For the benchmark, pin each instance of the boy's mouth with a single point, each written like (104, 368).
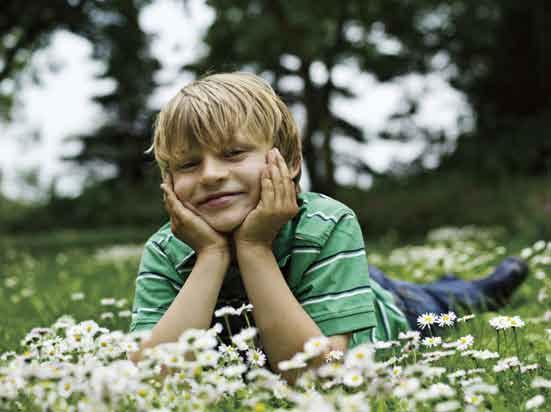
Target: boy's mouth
(218, 199)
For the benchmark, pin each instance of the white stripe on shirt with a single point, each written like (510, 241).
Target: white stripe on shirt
(336, 296)
(152, 276)
(323, 216)
(342, 255)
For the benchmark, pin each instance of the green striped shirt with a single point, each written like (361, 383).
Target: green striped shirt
(321, 254)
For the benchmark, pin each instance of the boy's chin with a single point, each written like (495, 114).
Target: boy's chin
(226, 227)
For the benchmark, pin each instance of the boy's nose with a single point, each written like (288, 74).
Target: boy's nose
(213, 170)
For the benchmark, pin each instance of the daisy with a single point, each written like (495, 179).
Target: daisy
(426, 319)
(124, 314)
(500, 322)
(244, 308)
(529, 368)
(396, 371)
(410, 335)
(432, 341)
(359, 357)
(256, 357)
(447, 406)
(104, 340)
(406, 387)
(208, 357)
(224, 311)
(526, 253)
(540, 382)
(484, 354)
(296, 362)
(121, 302)
(246, 334)
(385, 344)
(482, 387)
(535, 402)
(316, 345)
(65, 387)
(334, 355)
(465, 342)
(446, 319)
(206, 341)
(216, 329)
(353, 378)
(234, 370)
(466, 318)
(89, 327)
(516, 322)
(353, 403)
(261, 373)
(230, 352)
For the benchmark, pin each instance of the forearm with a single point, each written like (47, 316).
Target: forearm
(283, 324)
(193, 306)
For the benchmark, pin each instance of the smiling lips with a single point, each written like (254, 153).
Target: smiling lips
(219, 201)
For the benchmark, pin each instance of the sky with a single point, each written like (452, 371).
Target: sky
(61, 105)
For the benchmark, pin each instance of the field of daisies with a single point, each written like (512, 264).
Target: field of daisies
(66, 310)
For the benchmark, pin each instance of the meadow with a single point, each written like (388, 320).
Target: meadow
(66, 299)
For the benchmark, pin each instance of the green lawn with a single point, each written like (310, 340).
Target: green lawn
(41, 274)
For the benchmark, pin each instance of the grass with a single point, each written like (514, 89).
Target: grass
(40, 275)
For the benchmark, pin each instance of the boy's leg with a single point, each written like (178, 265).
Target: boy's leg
(488, 293)
(449, 292)
(411, 298)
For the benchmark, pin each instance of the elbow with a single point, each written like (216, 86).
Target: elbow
(134, 357)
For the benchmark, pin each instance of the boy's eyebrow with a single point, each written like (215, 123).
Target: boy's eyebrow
(195, 152)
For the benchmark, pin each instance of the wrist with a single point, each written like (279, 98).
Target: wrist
(252, 247)
(215, 254)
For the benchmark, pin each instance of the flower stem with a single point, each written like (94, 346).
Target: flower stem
(228, 325)
(516, 343)
(247, 319)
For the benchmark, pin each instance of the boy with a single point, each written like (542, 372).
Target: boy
(240, 230)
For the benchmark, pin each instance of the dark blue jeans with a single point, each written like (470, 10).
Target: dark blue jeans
(449, 293)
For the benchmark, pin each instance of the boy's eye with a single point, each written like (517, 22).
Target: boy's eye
(233, 152)
(187, 165)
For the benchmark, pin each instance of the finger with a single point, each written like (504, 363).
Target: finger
(267, 195)
(173, 204)
(170, 181)
(277, 181)
(288, 195)
(166, 191)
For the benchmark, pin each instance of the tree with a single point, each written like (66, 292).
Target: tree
(478, 39)
(23, 32)
(499, 55)
(118, 40)
(124, 47)
(289, 41)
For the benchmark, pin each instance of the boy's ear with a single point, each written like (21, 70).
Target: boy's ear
(295, 169)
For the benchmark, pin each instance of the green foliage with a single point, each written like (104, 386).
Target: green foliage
(72, 279)
(109, 203)
(411, 206)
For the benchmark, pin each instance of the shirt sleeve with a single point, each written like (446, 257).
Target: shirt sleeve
(157, 285)
(334, 288)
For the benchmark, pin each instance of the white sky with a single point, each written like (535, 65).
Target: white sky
(61, 106)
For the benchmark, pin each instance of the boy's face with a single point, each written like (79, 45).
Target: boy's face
(233, 171)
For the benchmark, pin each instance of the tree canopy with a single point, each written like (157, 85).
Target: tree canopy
(493, 51)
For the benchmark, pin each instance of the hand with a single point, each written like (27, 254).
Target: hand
(277, 205)
(189, 227)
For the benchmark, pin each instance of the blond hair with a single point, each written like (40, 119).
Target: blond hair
(213, 110)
